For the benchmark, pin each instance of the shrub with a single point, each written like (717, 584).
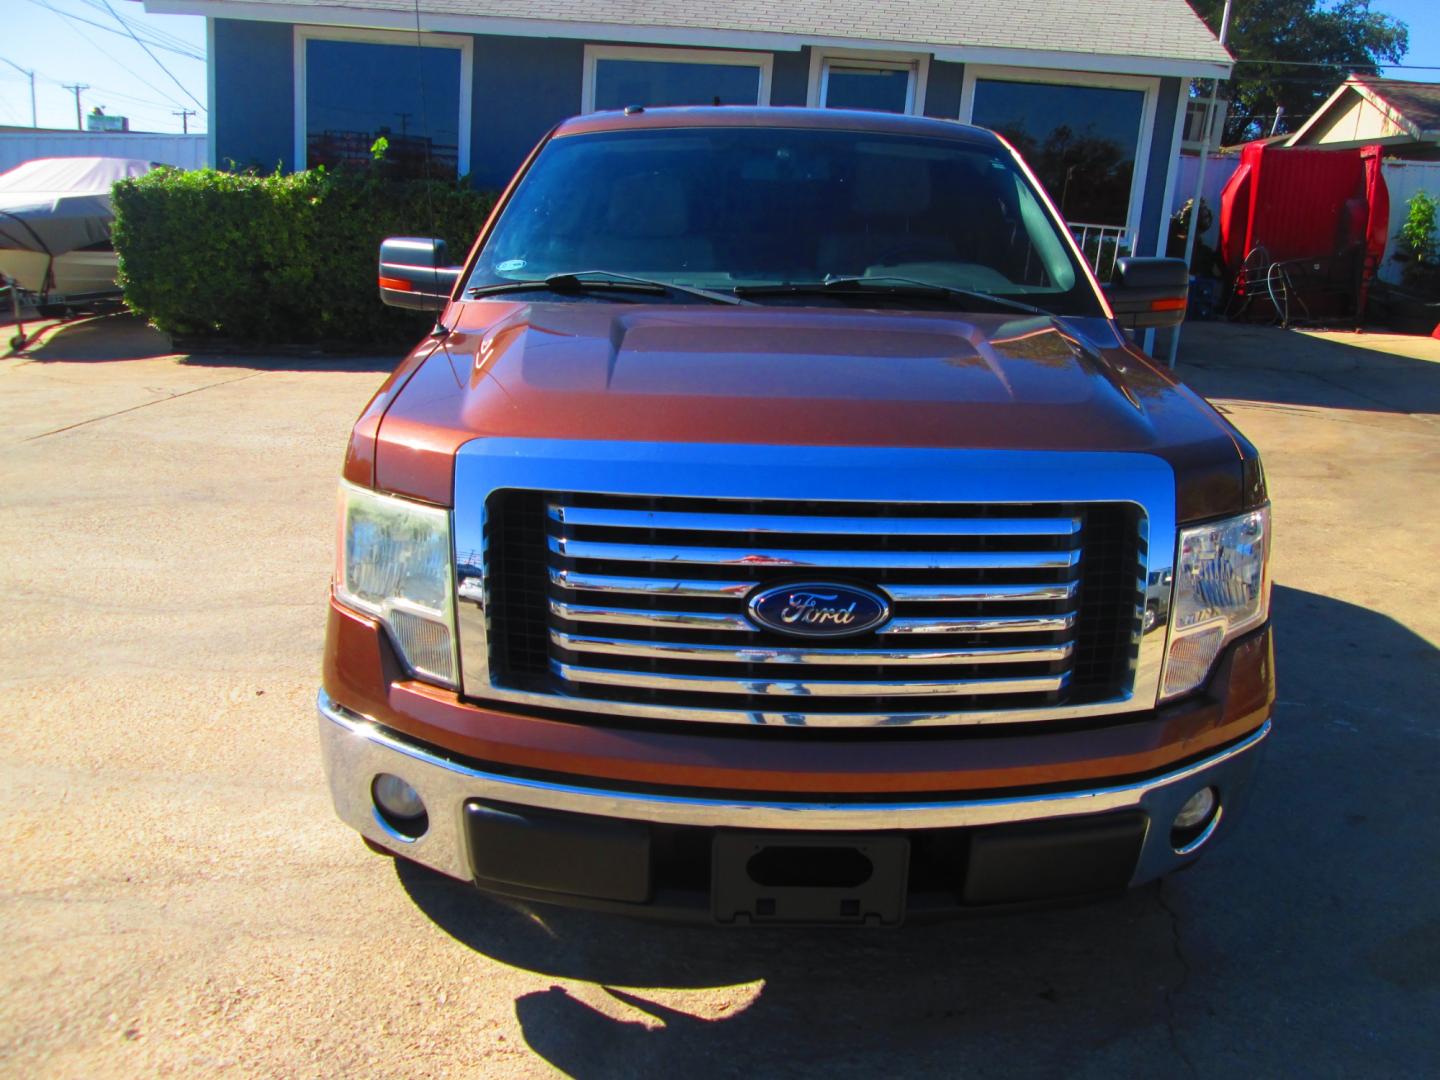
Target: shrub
(1418, 235)
(268, 259)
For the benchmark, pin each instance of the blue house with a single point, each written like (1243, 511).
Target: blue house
(1092, 92)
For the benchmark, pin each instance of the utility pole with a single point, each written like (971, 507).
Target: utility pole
(31, 76)
(1200, 175)
(184, 115)
(76, 91)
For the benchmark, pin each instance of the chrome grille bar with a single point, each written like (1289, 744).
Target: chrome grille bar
(686, 521)
(706, 620)
(756, 654)
(682, 620)
(995, 624)
(570, 579)
(805, 559)
(708, 684)
(983, 594)
(660, 586)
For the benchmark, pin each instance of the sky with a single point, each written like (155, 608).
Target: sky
(87, 44)
(81, 41)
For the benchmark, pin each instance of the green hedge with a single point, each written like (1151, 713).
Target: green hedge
(279, 259)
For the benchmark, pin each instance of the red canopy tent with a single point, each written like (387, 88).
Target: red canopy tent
(1303, 230)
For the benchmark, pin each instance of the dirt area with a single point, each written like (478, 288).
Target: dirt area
(178, 897)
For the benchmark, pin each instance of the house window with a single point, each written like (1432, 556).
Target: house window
(618, 76)
(880, 82)
(1086, 140)
(356, 87)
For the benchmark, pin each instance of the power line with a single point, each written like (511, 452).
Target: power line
(1343, 64)
(111, 30)
(106, 90)
(153, 34)
(31, 75)
(128, 32)
(152, 56)
(110, 56)
(1313, 80)
(9, 113)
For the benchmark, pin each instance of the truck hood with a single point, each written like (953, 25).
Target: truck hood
(793, 376)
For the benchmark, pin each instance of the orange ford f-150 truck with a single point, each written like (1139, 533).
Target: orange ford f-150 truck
(778, 526)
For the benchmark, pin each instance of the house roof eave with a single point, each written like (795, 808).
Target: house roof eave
(1210, 66)
(1376, 100)
(1386, 108)
(1315, 117)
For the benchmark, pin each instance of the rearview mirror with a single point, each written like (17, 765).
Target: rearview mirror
(1147, 294)
(414, 273)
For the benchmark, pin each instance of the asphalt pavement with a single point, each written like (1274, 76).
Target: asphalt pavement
(176, 895)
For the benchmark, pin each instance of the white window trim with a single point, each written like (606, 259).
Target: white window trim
(918, 64)
(427, 40)
(1148, 85)
(1172, 176)
(765, 62)
(210, 124)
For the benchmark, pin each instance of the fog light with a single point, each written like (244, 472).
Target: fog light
(1195, 821)
(399, 805)
(1196, 809)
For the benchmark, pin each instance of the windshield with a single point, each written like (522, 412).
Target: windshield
(735, 208)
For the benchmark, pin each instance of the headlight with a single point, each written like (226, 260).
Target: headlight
(394, 563)
(1222, 589)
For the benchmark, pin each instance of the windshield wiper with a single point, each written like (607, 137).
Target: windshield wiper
(576, 281)
(889, 285)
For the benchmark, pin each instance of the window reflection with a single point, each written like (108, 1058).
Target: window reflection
(1080, 140)
(874, 88)
(357, 92)
(619, 83)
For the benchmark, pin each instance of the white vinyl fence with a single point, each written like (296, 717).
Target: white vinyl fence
(1404, 179)
(183, 151)
(1218, 171)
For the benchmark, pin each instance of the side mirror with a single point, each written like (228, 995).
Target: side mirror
(414, 274)
(1147, 294)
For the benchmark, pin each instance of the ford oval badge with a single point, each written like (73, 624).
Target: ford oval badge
(818, 609)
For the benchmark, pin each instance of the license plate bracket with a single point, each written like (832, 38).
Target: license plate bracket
(854, 879)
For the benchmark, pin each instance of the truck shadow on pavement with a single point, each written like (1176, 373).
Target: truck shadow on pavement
(1314, 923)
(1366, 372)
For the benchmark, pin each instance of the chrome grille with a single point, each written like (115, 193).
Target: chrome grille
(642, 600)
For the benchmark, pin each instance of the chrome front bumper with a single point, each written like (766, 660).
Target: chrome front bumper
(355, 750)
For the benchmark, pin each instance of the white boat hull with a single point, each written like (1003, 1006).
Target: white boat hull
(76, 273)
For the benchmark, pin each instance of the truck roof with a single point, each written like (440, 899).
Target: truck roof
(769, 117)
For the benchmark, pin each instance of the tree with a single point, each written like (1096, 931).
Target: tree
(1345, 35)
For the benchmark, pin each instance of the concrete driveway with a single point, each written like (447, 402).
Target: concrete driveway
(176, 895)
